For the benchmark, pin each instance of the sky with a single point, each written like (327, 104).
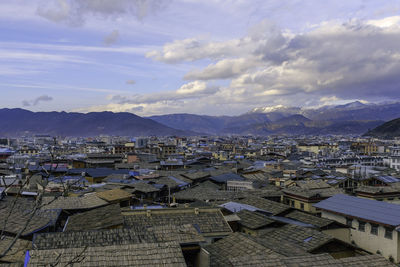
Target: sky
(214, 57)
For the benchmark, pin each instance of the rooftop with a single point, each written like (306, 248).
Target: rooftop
(370, 210)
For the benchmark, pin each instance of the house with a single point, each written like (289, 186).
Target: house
(312, 241)
(16, 255)
(380, 193)
(261, 259)
(149, 254)
(116, 195)
(251, 221)
(223, 251)
(374, 224)
(303, 198)
(106, 217)
(209, 221)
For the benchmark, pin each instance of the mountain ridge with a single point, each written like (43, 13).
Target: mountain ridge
(14, 122)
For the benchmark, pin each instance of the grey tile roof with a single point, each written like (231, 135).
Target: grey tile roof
(98, 218)
(378, 189)
(21, 214)
(270, 206)
(208, 220)
(235, 245)
(92, 238)
(309, 218)
(366, 261)
(371, 210)
(87, 201)
(144, 254)
(306, 238)
(17, 252)
(313, 193)
(253, 220)
(280, 246)
(144, 187)
(182, 234)
(320, 260)
(210, 191)
(114, 195)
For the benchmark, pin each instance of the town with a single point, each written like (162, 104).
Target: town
(200, 201)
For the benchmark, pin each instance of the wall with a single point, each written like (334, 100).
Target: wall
(366, 240)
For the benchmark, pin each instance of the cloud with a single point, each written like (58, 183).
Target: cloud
(112, 38)
(131, 82)
(352, 60)
(36, 101)
(75, 12)
(196, 89)
(331, 61)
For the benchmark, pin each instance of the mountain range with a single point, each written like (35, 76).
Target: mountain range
(17, 122)
(351, 118)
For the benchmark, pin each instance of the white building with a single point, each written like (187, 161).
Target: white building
(375, 225)
(394, 159)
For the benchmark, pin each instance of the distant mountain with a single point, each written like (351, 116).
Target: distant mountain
(15, 122)
(210, 124)
(351, 118)
(351, 111)
(387, 130)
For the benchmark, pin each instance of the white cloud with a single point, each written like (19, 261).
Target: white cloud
(350, 60)
(75, 12)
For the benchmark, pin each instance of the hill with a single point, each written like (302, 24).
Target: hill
(389, 129)
(16, 122)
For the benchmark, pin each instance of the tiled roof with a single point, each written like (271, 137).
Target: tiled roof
(366, 261)
(259, 259)
(253, 220)
(114, 195)
(309, 218)
(17, 252)
(208, 220)
(99, 218)
(87, 201)
(20, 215)
(371, 210)
(269, 206)
(305, 238)
(319, 260)
(235, 245)
(162, 233)
(313, 193)
(144, 254)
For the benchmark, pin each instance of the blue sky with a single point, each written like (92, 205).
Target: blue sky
(206, 57)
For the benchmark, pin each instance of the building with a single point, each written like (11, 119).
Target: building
(374, 224)
(394, 159)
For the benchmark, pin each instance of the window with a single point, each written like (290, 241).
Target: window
(388, 233)
(361, 226)
(374, 229)
(302, 206)
(349, 222)
(292, 203)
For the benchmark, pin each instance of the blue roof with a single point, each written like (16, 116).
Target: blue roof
(370, 210)
(388, 179)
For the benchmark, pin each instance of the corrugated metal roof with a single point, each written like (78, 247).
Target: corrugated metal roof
(371, 210)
